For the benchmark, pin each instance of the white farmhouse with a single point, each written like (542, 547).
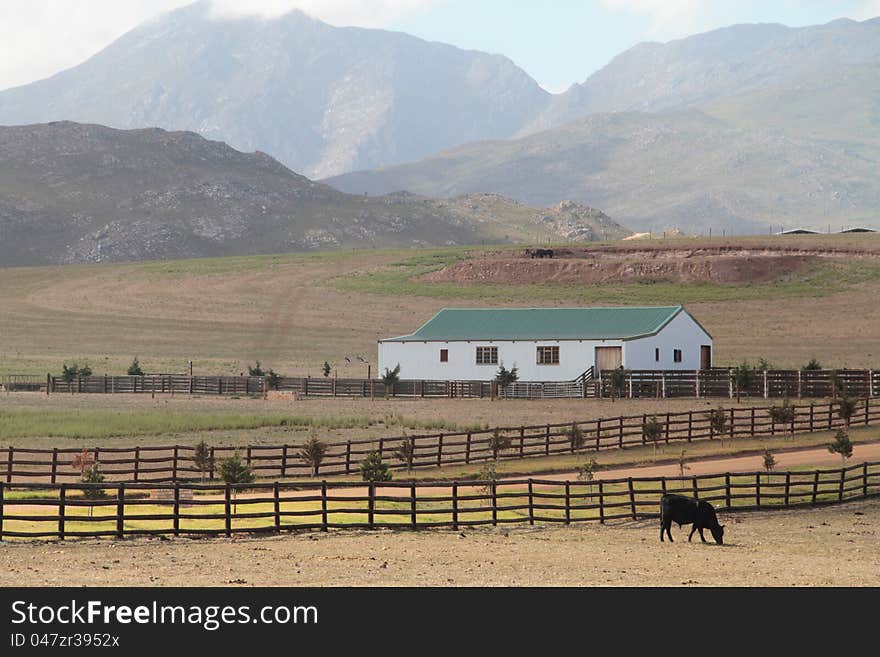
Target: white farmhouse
(547, 344)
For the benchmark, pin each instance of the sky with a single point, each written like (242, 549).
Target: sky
(558, 42)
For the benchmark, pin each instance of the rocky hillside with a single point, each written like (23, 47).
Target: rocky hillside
(322, 100)
(85, 193)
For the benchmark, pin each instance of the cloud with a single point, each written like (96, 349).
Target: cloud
(363, 13)
(669, 18)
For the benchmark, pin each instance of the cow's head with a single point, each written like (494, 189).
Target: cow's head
(718, 534)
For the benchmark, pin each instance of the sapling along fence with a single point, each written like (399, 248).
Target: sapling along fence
(175, 463)
(119, 510)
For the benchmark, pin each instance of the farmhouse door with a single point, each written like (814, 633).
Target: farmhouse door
(706, 357)
(609, 358)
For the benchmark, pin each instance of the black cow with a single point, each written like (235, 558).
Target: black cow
(686, 510)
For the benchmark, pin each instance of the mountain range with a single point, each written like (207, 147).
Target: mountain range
(736, 129)
(72, 193)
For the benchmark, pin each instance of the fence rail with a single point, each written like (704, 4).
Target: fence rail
(715, 382)
(120, 510)
(175, 463)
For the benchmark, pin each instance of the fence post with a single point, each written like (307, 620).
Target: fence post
(324, 516)
(598, 432)
(494, 504)
(10, 456)
(727, 489)
(870, 383)
(531, 504)
(766, 388)
(732, 424)
(455, 505)
(413, 520)
(228, 509)
(787, 487)
(62, 502)
(176, 520)
(371, 505)
(632, 497)
(695, 485)
(54, 465)
(276, 500)
(467, 449)
(630, 377)
(812, 408)
(842, 480)
(522, 441)
(547, 442)
(697, 383)
(830, 418)
(690, 426)
(284, 461)
(1, 511)
(663, 384)
(247, 455)
(758, 489)
(753, 422)
(800, 384)
(620, 433)
(137, 462)
(864, 479)
(644, 422)
(174, 460)
(48, 384)
(867, 411)
(381, 448)
(815, 486)
(440, 450)
(666, 432)
(211, 464)
(348, 457)
(567, 502)
(601, 503)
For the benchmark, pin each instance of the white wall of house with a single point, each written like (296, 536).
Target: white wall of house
(421, 360)
(681, 333)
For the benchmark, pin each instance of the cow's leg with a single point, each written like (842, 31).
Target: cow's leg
(702, 538)
(662, 529)
(691, 535)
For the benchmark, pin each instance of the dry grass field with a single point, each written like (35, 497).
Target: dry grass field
(827, 546)
(293, 312)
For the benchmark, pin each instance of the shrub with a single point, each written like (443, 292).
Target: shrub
(135, 368)
(498, 443)
(769, 460)
(783, 414)
(682, 463)
(325, 369)
(842, 445)
(373, 469)
(742, 376)
(763, 365)
(312, 453)
(575, 437)
(406, 452)
(92, 475)
(202, 459)
(586, 472)
(273, 379)
(652, 430)
(718, 422)
(618, 382)
(70, 372)
(489, 474)
(846, 408)
(256, 370)
(390, 378)
(233, 470)
(812, 365)
(505, 377)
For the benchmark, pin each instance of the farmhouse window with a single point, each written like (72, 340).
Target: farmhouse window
(444, 355)
(548, 355)
(487, 355)
(657, 354)
(676, 355)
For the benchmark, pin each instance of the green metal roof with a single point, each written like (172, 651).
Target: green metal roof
(455, 324)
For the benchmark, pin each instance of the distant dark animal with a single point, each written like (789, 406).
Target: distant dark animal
(687, 510)
(539, 253)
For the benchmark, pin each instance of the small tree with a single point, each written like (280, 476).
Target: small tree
(325, 368)
(742, 376)
(718, 422)
(652, 430)
(256, 370)
(373, 469)
(70, 372)
(406, 452)
(846, 408)
(587, 472)
(682, 463)
(837, 386)
(92, 475)
(505, 377)
(769, 460)
(764, 365)
(273, 379)
(842, 445)
(783, 414)
(312, 453)
(812, 365)
(390, 378)
(202, 459)
(575, 437)
(233, 470)
(618, 382)
(488, 474)
(135, 368)
(498, 443)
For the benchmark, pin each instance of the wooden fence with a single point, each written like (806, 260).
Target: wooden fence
(766, 384)
(175, 463)
(716, 382)
(63, 511)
